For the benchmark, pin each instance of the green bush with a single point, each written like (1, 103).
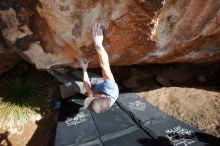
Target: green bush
(22, 96)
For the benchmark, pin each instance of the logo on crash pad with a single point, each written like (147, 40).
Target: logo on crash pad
(76, 119)
(137, 105)
(180, 136)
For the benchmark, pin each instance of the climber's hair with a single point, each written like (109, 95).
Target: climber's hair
(100, 104)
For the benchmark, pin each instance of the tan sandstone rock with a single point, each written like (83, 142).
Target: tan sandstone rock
(56, 33)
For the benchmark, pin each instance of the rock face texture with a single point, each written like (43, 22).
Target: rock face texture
(9, 58)
(188, 30)
(56, 33)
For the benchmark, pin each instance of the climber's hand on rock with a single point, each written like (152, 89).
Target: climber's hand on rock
(97, 34)
(84, 63)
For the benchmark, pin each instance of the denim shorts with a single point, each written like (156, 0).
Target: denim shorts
(107, 87)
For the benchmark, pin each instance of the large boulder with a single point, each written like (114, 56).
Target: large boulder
(9, 58)
(56, 33)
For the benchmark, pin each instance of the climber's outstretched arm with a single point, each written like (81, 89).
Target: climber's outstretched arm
(86, 82)
(103, 56)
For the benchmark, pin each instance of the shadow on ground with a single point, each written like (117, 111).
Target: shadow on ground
(161, 141)
(153, 76)
(46, 127)
(207, 138)
(4, 139)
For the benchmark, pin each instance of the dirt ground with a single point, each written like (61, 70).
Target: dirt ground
(198, 107)
(37, 133)
(189, 92)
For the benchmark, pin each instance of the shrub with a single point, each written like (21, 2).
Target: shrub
(22, 96)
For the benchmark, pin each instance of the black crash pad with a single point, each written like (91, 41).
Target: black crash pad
(112, 121)
(75, 126)
(163, 128)
(140, 110)
(136, 138)
(178, 132)
(116, 128)
(113, 127)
